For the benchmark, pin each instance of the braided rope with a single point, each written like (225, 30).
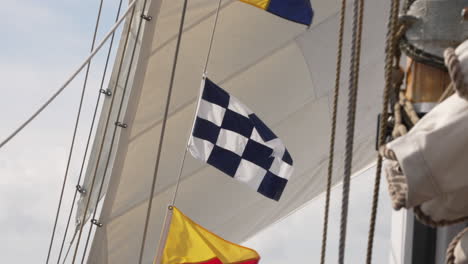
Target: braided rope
(336, 94)
(397, 185)
(427, 220)
(399, 129)
(455, 72)
(449, 91)
(358, 11)
(450, 256)
(389, 58)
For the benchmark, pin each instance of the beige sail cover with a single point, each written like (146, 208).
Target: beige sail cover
(432, 157)
(283, 71)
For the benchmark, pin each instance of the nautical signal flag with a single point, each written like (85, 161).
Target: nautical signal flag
(299, 11)
(189, 243)
(230, 137)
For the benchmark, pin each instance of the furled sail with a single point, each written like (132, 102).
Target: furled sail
(282, 69)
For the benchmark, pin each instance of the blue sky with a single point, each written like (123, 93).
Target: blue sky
(42, 43)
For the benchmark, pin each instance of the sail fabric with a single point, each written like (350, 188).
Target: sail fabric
(299, 11)
(230, 137)
(188, 242)
(431, 158)
(282, 70)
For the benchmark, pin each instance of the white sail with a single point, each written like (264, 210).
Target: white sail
(282, 70)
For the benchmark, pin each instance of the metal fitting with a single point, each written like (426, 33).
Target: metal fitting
(80, 189)
(106, 92)
(147, 18)
(122, 125)
(96, 222)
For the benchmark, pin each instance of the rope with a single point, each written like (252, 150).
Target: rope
(450, 90)
(166, 225)
(333, 130)
(389, 57)
(115, 128)
(75, 129)
(71, 78)
(105, 129)
(212, 36)
(427, 220)
(352, 100)
(450, 255)
(89, 134)
(69, 248)
(455, 72)
(181, 167)
(163, 129)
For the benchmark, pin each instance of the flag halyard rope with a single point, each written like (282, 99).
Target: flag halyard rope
(163, 130)
(358, 14)
(75, 130)
(333, 130)
(168, 215)
(205, 68)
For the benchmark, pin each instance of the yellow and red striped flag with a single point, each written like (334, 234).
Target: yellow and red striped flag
(189, 243)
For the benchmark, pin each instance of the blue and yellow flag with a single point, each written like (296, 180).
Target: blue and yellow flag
(299, 11)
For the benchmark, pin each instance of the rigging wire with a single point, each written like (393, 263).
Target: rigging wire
(358, 14)
(119, 112)
(333, 130)
(163, 129)
(181, 167)
(105, 130)
(89, 135)
(70, 79)
(389, 65)
(75, 130)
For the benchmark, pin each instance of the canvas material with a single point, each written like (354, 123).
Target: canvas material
(281, 70)
(230, 137)
(432, 157)
(462, 52)
(433, 154)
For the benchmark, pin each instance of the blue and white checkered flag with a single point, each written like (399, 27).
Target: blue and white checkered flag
(228, 136)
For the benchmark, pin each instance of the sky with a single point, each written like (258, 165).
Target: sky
(42, 43)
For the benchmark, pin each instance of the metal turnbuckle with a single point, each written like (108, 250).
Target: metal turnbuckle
(96, 222)
(80, 189)
(106, 92)
(122, 125)
(147, 18)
